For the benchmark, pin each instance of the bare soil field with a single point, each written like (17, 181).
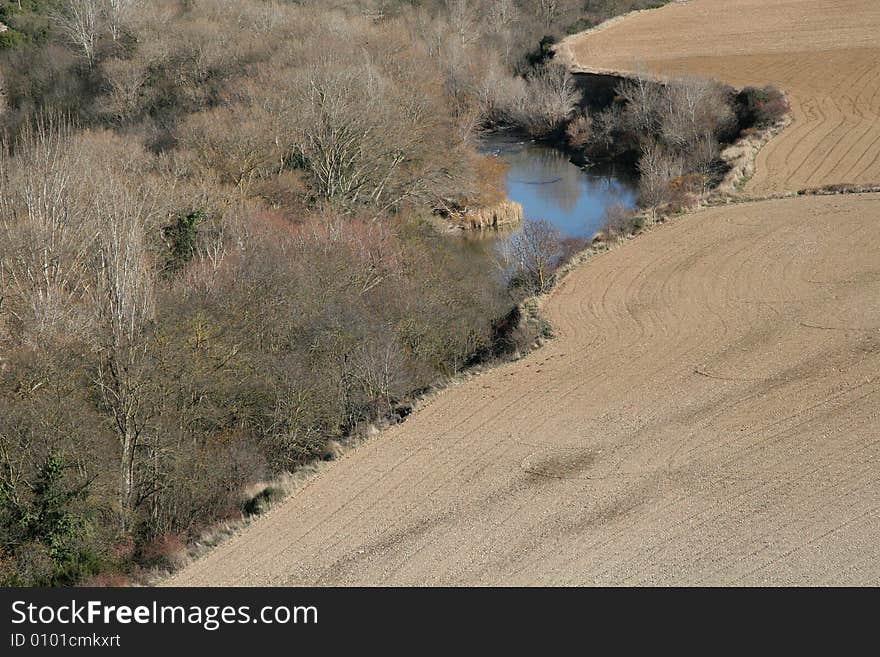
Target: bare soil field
(824, 53)
(708, 415)
(710, 411)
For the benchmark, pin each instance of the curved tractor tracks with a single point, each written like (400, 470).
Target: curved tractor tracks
(710, 412)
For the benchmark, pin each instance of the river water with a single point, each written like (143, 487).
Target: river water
(549, 186)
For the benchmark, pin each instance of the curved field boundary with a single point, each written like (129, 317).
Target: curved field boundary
(824, 53)
(709, 413)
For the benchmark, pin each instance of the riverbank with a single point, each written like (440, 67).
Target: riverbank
(531, 317)
(580, 447)
(530, 313)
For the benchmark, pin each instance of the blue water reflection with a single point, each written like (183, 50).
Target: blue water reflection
(549, 186)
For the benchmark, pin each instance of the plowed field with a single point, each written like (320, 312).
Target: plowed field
(710, 412)
(824, 53)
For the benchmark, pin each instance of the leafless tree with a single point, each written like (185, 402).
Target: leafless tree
(618, 220)
(117, 14)
(554, 95)
(549, 9)
(502, 13)
(644, 102)
(501, 18)
(702, 158)
(657, 169)
(238, 144)
(604, 125)
(695, 109)
(538, 104)
(533, 252)
(122, 295)
(126, 79)
(72, 238)
(81, 22)
(362, 139)
(3, 101)
(464, 19)
(45, 236)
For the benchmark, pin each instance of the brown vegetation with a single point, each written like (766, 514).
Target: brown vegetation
(677, 431)
(674, 132)
(214, 262)
(214, 253)
(708, 415)
(166, 361)
(533, 254)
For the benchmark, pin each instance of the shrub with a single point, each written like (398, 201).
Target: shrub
(579, 131)
(48, 532)
(109, 579)
(621, 221)
(534, 253)
(165, 551)
(11, 38)
(539, 104)
(570, 247)
(260, 503)
(580, 25)
(683, 191)
(671, 129)
(542, 53)
(761, 107)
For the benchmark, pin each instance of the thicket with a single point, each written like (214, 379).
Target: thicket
(673, 132)
(160, 359)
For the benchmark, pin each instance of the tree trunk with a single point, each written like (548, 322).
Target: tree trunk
(126, 481)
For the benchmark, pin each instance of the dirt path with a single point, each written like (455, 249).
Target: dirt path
(710, 413)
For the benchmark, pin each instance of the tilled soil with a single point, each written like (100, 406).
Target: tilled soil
(824, 53)
(710, 412)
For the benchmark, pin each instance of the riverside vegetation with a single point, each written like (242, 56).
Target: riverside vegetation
(216, 247)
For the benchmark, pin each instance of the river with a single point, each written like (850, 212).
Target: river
(549, 186)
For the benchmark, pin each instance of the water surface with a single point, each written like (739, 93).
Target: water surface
(549, 186)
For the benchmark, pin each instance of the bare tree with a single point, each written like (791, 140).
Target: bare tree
(554, 95)
(123, 302)
(533, 252)
(644, 102)
(117, 13)
(45, 237)
(81, 22)
(362, 139)
(695, 109)
(126, 80)
(539, 104)
(703, 158)
(3, 100)
(464, 19)
(501, 17)
(72, 240)
(237, 143)
(549, 10)
(657, 169)
(502, 13)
